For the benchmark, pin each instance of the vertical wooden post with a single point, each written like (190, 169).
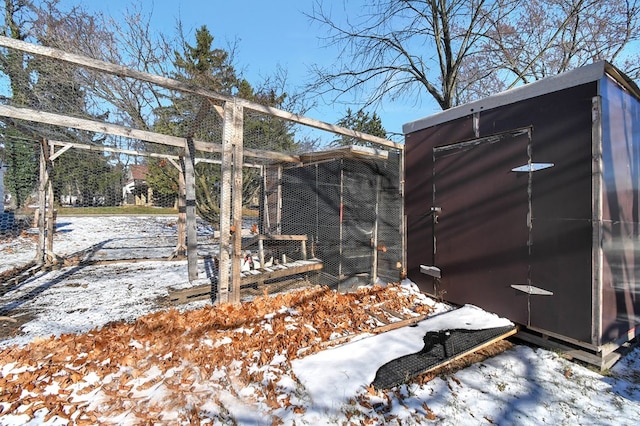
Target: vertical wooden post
(190, 209)
(50, 222)
(374, 266)
(231, 188)
(181, 248)
(279, 200)
(236, 252)
(42, 187)
(261, 251)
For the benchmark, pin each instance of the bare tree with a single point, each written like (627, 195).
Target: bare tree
(398, 49)
(458, 50)
(540, 38)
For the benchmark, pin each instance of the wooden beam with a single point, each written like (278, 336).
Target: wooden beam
(89, 125)
(61, 151)
(172, 84)
(114, 129)
(173, 159)
(42, 195)
(181, 246)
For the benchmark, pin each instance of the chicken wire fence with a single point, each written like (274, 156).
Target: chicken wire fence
(227, 188)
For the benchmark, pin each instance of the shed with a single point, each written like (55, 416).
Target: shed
(528, 203)
(348, 201)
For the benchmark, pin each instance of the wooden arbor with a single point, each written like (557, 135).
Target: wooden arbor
(233, 156)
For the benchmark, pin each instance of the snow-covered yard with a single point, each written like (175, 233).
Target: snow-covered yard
(96, 344)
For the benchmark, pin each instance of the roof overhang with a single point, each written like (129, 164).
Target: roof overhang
(576, 77)
(352, 151)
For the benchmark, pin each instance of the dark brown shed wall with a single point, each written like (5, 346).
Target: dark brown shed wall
(560, 259)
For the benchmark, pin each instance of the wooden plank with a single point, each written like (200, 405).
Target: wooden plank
(387, 327)
(378, 318)
(399, 324)
(89, 125)
(395, 314)
(472, 350)
(272, 237)
(226, 193)
(189, 294)
(99, 148)
(598, 359)
(41, 248)
(280, 273)
(302, 237)
(352, 151)
(190, 209)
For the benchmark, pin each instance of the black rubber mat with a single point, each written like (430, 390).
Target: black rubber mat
(439, 348)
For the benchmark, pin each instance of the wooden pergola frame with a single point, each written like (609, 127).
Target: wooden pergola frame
(233, 156)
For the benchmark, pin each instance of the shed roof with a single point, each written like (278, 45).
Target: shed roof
(350, 151)
(138, 171)
(575, 77)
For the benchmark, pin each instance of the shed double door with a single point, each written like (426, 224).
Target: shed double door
(482, 222)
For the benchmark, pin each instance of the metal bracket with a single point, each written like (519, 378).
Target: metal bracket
(529, 289)
(432, 271)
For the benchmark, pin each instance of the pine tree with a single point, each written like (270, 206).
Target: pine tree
(361, 122)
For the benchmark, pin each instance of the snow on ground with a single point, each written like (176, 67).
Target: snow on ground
(523, 385)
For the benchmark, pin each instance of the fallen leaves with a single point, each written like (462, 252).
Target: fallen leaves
(182, 359)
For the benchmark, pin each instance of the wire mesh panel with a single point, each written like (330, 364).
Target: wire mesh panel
(176, 192)
(350, 209)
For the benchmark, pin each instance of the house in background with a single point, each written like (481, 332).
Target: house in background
(527, 203)
(136, 191)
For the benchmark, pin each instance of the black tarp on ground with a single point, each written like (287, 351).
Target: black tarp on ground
(440, 347)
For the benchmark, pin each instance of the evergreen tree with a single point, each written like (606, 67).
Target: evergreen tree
(361, 122)
(210, 68)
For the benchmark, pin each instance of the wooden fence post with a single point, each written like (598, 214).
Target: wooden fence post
(42, 188)
(238, 155)
(190, 208)
(181, 247)
(230, 249)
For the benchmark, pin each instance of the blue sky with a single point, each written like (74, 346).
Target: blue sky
(270, 34)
